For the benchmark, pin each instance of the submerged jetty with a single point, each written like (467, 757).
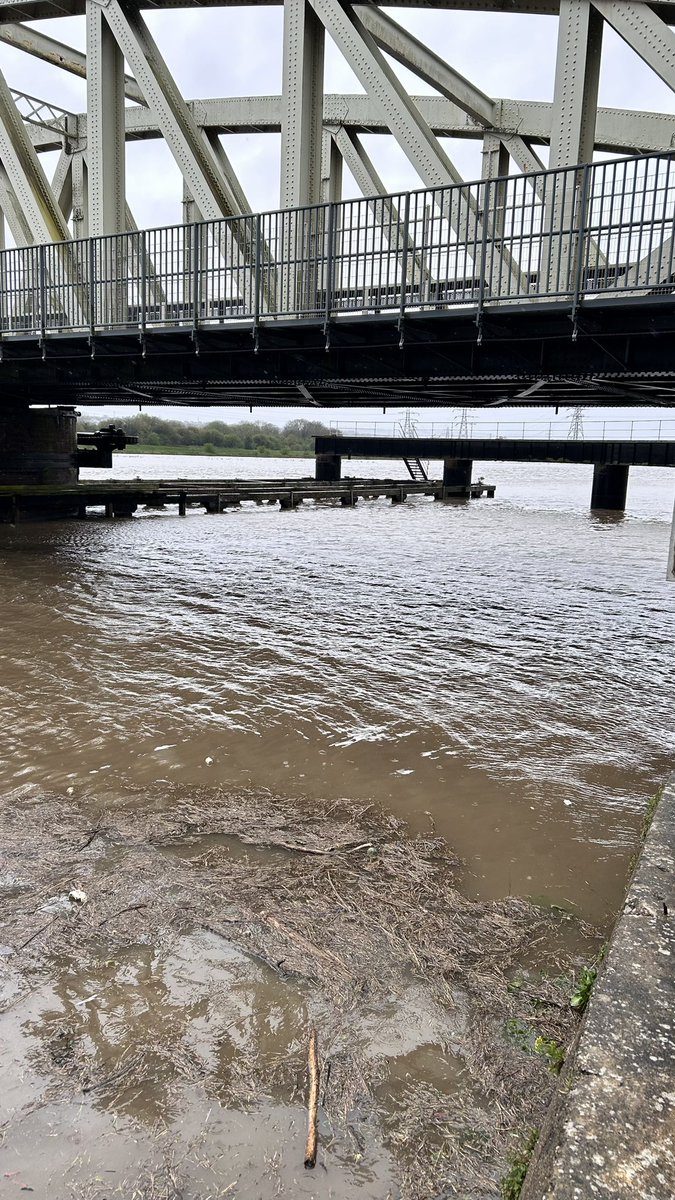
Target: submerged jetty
(120, 499)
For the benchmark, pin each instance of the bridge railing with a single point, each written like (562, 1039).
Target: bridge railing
(571, 234)
(509, 430)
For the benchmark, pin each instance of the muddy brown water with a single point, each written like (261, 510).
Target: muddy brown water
(500, 672)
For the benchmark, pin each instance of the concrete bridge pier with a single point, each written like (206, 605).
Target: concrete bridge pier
(37, 445)
(610, 485)
(328, 468)
(457, 476)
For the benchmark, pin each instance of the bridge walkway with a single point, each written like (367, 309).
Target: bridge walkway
(534, 288)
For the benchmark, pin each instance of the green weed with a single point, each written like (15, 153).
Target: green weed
(551, 1050)
(518, 1034)
(511, 1185)
(584, 986)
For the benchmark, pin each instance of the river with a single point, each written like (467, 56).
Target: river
(500, 671)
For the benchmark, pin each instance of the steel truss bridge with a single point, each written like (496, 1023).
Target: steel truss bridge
(542, 286)
(532, 288)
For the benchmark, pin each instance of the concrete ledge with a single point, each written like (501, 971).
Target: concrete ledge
(610, 1131)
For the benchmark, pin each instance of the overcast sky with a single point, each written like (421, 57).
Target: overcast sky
(238, 52)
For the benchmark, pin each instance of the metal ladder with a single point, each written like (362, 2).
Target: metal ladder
(417, 469)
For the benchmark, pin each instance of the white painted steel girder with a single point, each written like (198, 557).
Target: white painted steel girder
(105, 126)
(359, 162)
(23, 37)
(411, 53)
(35, 203)
(236, 197)
(80, 195)
(311, 160)
(331, 169)
(387, 93)
(178, 127)
(32, 10)
(577, 74)
(13, 213)
(522, 154)
(301, 105)
(62, 184)
(495, 157)
(617, 131)
(648, 35)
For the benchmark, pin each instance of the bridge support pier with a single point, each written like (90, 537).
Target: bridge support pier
(457, 476)
(328, 468)
(37, 445)
(610, 485)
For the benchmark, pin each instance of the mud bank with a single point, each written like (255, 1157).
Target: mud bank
(154, 1030)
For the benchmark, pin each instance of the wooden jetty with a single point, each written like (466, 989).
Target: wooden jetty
(122, 499)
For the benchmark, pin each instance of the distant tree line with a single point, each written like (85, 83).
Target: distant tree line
(217, 437)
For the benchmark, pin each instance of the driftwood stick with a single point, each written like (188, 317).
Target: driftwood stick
(343, 848)
(312, 1102)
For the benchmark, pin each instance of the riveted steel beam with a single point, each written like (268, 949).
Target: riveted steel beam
(577, 74)
(62, 184)
(418, 58)
(645, 32)
(18, 225)
(301, 105)
(387, 93)
(523, 155)
(235, 193)
(331, 169)
(26, 177)
(495, 157)
(495, 163)
(80, 195)
(105, 125)
(177, 125)
(32, 10)
(618, 131)
(23, 37)
(358, 161)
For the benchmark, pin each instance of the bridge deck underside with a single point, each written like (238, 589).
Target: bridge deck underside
(613, 352)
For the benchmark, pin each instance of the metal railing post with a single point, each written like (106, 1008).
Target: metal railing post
(257, 275)
(404, 258)
(42, 278)
(195, 277)
(143, 292)
(92, 287)
(581, 235)
(483, 256)
(330, 255)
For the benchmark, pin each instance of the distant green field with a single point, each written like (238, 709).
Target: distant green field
(244, 439)
(215, 451)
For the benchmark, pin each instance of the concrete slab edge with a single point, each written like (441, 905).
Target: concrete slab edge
(610, 1130)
